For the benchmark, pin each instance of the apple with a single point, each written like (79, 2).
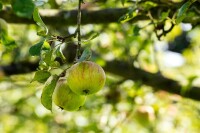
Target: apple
(65, 98)
(85, 78)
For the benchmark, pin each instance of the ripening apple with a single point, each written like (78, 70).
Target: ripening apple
(85, 78)
(65, 98)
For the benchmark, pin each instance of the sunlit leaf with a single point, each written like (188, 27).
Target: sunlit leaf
(46, 97)
(41, 76)
(39, 2)
(43, 65)
(46, 46)
(36, 49)
(40, 23)
(8, 42)
(148, 5)
(23, 8)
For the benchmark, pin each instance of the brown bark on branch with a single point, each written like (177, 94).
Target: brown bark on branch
(125, 70)
(155, 80)
(104, 16)
(59, 17)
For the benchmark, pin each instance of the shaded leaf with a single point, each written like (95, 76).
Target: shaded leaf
(60, 54)
(36, 49)
(128, 16)
(23, 8)
(40, 23)
(182, 11)
(41, 76)
(93, 36)
(136, 30)
(164, 15)
(6, 40)
(48, 57)
(86, 55)
(1, 6)
(3, 27)
(123, 1)
(46, 97)
(55, 64)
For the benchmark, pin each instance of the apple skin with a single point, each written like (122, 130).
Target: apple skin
(85, 78)
(65, 98)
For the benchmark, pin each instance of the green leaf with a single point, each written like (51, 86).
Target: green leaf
(93, 36)
(23, 8)
(187, 87)
(86, 55)
(40, 23)
(41, 76)
(60, 54)
(46, 97)
(148, 5)
(36, 49)
(182, 11)
(1, 6)
(128, 16)
(8, 42)
(39, 2)
(136, 30)
(43, 65)
(46, 46)
(123, 1)
(48, 57)
(55, 64)
(3, 27)
(164, 15)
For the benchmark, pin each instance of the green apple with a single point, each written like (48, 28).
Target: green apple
(65, 98)
(85, 78)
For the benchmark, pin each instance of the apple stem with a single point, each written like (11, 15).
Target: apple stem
(85, 91)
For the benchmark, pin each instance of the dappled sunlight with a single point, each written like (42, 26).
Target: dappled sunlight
(149, 51)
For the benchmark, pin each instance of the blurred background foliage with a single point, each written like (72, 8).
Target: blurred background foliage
(123, 105)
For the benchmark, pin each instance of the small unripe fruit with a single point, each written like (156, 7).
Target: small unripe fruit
(85, 78)
(65, 98)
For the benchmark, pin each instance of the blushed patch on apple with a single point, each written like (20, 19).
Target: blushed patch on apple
(85, 78)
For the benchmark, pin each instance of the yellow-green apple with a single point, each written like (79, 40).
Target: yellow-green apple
(65, 98)
(85, 78)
